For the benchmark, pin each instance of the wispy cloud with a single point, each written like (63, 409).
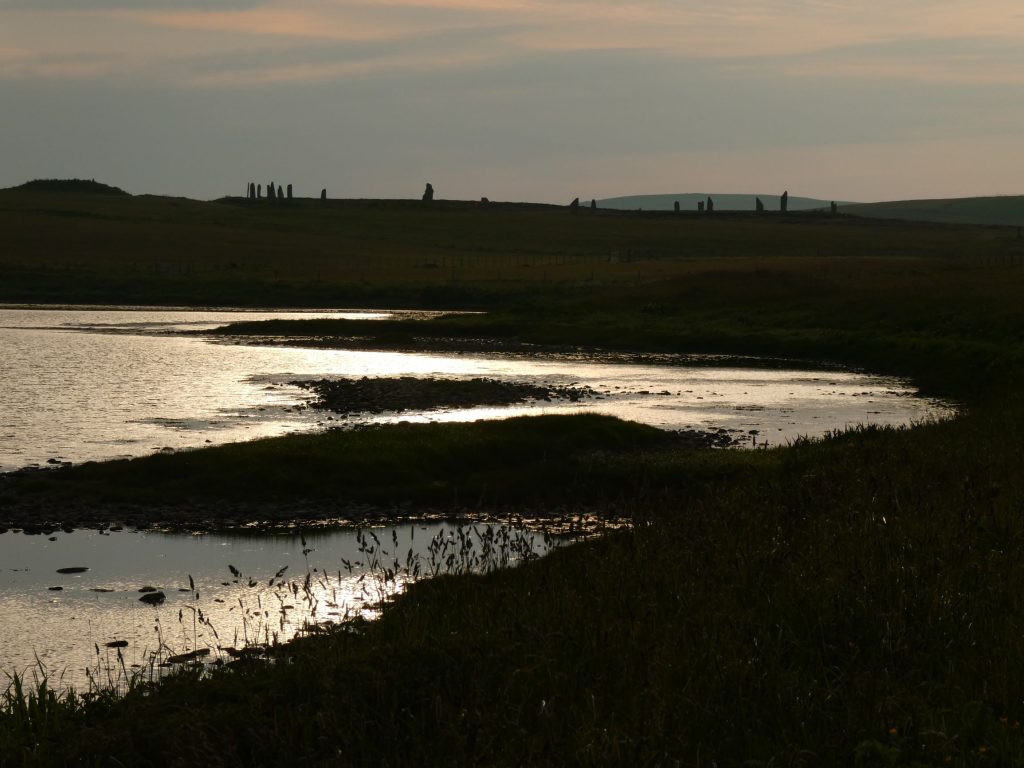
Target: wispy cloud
(777, 31)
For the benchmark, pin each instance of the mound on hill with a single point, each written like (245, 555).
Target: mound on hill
(1005, 210)
(73, 186)
(723, 202)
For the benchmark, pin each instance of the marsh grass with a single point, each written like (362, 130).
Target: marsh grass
(837, 601)
(852, 601)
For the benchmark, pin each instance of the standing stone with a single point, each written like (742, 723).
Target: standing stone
(574, 205)
(758, 205)
(711, 205)
(593, 205)
(784, 201)
(484, 201)
(700, 206)
(280, 192)
(675, 206)
(835, 208)
(259, 191)
(428, 193)
(323, 194)
(289, 191)
(271, 193)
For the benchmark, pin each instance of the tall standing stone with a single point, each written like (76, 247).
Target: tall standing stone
(271, 192)
(323, 193)
(758, 205)
(593, 205)
(675, 206)
(835, 208)
(280, 192)
(711, 205)
(700, 206)
(574, 206)
(428, 193)
(784, 201)
(259, 191)
(289, 191)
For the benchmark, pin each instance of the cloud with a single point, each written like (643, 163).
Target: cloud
(800, 38)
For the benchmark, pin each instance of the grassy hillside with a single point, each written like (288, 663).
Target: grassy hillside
(1008, 210)
(155, 250)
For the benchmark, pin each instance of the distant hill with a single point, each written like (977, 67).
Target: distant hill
(1007, 210)
(688, 202)
(72, 186)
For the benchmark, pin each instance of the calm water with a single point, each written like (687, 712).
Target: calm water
(89, 384)
(63, 628)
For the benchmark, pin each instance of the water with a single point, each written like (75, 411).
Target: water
(62, 629)
(92, 384)
(80, 384)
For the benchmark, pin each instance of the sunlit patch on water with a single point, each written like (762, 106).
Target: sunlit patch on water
(81, 396)
(222, 594)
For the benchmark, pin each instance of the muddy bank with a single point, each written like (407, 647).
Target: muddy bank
(37, 519)
(404, 393)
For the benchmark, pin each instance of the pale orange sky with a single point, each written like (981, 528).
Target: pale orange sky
(518, 99)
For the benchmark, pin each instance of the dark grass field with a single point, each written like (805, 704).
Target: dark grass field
(856, 601)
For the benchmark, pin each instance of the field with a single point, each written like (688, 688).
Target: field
(851, 601)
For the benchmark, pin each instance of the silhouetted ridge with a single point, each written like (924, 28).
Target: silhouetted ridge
(75, 186)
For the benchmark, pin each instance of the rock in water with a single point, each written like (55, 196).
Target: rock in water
(428, 193)
(153, 598)
(73, 569)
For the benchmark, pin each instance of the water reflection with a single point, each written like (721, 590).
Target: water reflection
(222, 592)
(81, 396)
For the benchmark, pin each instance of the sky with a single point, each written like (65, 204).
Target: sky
(540, 100)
